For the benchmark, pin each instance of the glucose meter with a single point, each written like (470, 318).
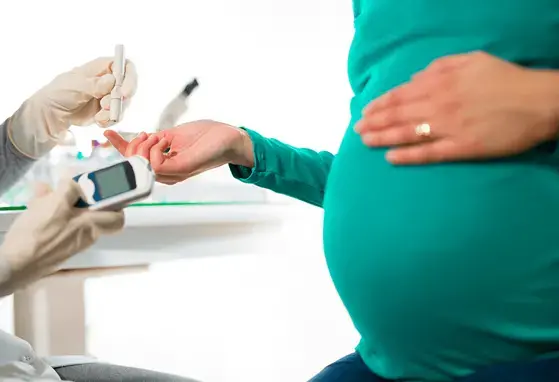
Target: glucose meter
(115, 186)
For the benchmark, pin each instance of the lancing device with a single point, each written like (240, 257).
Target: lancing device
(113, 187)
(116, 93)
(176, 107)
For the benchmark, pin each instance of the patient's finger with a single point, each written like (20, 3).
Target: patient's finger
(117, 141)
(145, 147)
(132, 148)
(157, 154)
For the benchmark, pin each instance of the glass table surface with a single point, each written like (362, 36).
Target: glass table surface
(163, 204)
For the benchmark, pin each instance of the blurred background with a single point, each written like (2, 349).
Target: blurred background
(278, 67)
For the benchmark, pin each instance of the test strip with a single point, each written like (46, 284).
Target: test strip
(116, 94)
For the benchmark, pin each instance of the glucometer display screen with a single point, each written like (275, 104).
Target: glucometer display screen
(112, 181)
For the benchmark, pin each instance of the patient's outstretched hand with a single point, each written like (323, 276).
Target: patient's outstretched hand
(189, 149)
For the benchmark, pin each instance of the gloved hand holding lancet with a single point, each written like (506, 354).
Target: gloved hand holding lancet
(79, 97)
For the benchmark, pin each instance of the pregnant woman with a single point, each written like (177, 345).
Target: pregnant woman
(450, 271)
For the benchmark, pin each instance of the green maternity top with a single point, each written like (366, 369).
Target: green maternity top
(445, 268)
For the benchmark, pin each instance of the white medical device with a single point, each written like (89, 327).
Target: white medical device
(115, 186)
(116, 94)
(177, 107)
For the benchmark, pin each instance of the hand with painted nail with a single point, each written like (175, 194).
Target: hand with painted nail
(141, 145)
(464, 107)
(188, 150)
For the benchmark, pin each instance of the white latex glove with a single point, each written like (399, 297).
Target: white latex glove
(78, 97)
(50, 231)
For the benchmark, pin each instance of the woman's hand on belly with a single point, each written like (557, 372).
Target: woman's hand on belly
(463, 107)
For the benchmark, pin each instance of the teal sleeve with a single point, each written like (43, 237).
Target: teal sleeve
(356, 8)
(296, 172)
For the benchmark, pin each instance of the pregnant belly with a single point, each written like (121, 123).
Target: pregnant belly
(458, 263)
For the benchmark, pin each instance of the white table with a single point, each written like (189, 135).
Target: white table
(51, 314)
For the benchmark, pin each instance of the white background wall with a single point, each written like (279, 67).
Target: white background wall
(275, 66)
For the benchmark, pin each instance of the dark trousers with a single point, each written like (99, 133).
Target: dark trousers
(352, 369)
(102, 372)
